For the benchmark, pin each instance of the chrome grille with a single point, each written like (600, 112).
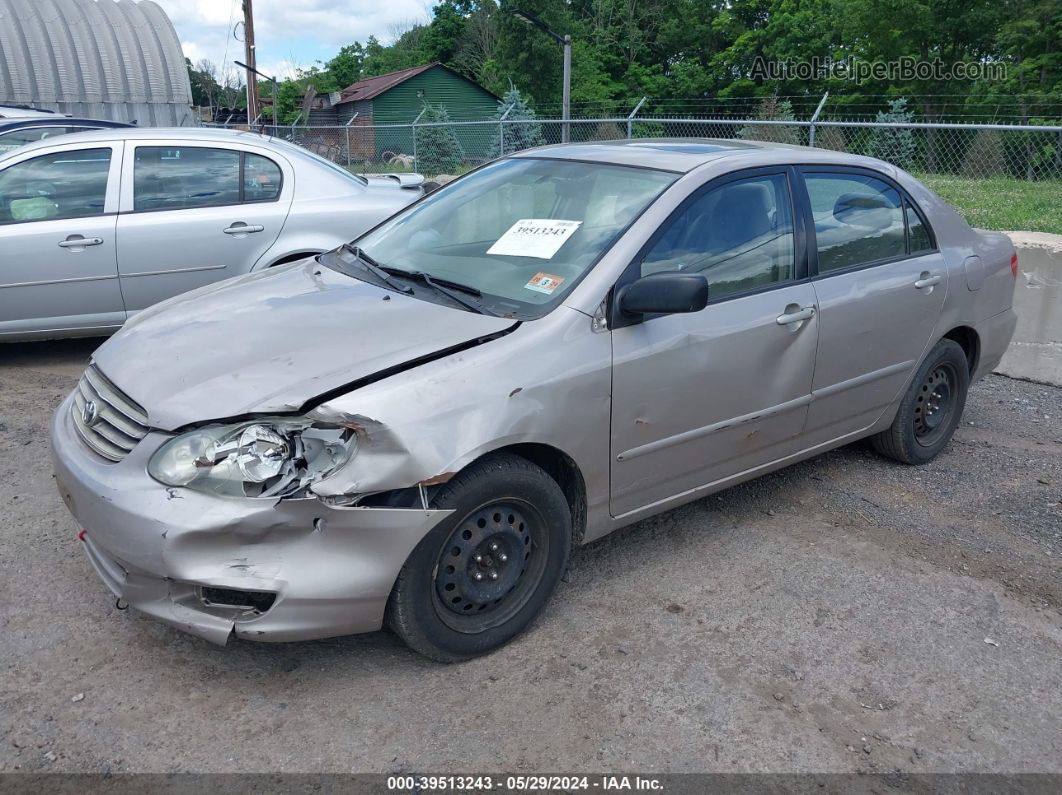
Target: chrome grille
(113, 424)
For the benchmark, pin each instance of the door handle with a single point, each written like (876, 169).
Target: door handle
(925, 280)
(240, 228)
(77, 241)
(795, 315)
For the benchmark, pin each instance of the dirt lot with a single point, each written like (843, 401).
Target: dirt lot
(846, 614)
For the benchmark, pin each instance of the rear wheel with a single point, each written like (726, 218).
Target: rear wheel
(482, 575)
(931, 408)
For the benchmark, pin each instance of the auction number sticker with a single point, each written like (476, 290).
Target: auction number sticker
(534, 237)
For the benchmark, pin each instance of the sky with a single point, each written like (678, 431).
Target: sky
(288, 33)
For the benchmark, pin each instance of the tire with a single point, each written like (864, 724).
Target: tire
(450, 606)
(931, 408)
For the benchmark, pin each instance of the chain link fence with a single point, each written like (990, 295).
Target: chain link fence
(976, 151)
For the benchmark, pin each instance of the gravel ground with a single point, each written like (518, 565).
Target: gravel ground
(847, 614)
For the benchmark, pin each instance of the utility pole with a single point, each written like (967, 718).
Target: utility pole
(566, 100)
(566, 87)
(248, 52)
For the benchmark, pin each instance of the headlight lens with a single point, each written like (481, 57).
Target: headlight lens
(266, 458)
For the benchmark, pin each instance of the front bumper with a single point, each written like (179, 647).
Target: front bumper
(156, 548)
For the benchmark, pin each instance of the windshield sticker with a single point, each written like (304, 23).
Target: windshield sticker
(534, 237)
(544, 283)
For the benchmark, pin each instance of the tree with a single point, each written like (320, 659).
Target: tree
(521, 130)
(346, 66)
(772, 109)
(894, 145)
(686, 53)
(441, 39)
(404, 53)
(529, 58)
(438, 150)
(475, 57)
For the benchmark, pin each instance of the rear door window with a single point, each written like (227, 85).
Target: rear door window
(184, 177)
(858, 220)
(179, 178)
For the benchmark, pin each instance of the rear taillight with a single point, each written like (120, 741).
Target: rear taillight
(1014, 265)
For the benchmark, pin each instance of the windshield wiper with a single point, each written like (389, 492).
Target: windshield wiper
(373, 267)
(450, 289)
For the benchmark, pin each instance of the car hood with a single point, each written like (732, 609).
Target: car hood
(271, 341)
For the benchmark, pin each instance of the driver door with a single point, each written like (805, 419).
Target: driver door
(702, 397)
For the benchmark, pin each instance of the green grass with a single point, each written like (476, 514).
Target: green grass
(1002, 203)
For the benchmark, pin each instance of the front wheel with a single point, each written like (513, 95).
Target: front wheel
(931, 408)
(482, 575)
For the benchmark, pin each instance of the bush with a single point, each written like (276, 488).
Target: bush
(438, 150)
(772, 109)
(985, 156)
(831, 138)
(648, 129)
(897, 146)
(525, 134)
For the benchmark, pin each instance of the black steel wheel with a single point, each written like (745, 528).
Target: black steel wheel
(484, 573)
(490, 565)
(935, 404)
(930, 409)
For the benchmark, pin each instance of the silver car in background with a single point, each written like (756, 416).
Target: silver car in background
(97, 226)
(415, 429)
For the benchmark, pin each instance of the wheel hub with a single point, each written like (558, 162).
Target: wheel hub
(934, 404)
(484, 560)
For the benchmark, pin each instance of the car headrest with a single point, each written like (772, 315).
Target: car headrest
(872, 210)
(744, 211)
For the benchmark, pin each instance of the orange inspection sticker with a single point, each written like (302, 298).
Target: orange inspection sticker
(544, 283)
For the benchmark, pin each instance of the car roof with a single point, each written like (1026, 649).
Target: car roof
(57, 121)
(26, 112)
(165, 133)
(205, 135)
(686, 154)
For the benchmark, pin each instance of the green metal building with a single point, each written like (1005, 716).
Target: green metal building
(398, 98)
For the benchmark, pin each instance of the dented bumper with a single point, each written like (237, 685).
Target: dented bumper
(331, 569)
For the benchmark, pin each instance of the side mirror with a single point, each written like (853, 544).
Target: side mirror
(665, 293)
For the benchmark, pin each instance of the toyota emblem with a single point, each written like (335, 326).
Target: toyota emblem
(90, 415)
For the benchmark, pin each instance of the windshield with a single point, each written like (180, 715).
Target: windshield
(522, 232)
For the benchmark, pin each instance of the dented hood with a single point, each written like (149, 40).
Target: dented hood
(271, 341)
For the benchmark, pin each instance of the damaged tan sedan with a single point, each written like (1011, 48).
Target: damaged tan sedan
(416, 428)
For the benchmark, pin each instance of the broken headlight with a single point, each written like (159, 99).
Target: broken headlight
(265, 458)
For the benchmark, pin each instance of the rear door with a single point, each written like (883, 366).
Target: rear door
(58, 267)
(880, 285)
(192, 214)
(699, 398)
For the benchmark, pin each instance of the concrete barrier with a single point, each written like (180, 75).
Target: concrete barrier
(1035, 353)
